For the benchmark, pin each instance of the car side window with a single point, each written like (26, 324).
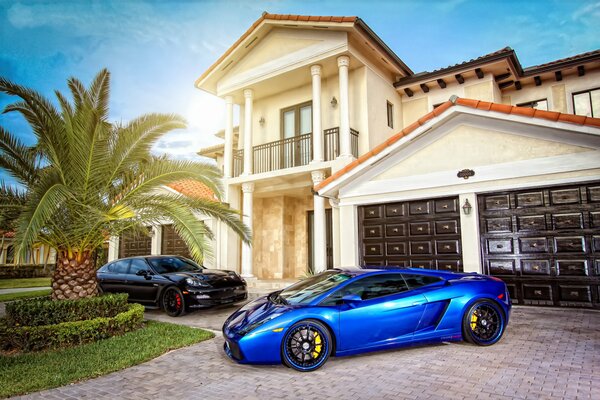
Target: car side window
(119, 267)
(370, 287)
(416, 281)
(138, 264)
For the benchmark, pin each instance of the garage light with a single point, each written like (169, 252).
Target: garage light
(467, 207)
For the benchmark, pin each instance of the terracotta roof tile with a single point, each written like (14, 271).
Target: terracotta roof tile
(563, 60)
(193, 188)
(8, 235)
(476, 104)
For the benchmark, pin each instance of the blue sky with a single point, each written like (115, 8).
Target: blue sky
(156, 49)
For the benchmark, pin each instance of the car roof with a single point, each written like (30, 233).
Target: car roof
(357, 271)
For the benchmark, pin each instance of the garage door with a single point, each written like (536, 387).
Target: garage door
(134, 244)
(545, 243)
(172, 244)
(422, 234)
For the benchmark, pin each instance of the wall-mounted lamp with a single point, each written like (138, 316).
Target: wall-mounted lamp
(334, 102)
(261, 121)
(467, 207)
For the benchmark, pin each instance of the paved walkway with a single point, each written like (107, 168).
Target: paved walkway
(545, 353)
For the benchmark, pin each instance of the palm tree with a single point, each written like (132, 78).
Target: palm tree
(88, 179)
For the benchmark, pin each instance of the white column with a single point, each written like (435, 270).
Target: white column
(345, 144)
(156, 242)
(469, 234)
(248, 93)
(317, 131)
(348, 236)
(247, 189)
(228, 156)
(335, 228)
(113, 248)
(319, 239)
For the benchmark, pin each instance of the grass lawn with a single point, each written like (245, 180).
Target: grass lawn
(24, 283)
(24, 295)
(25, 373)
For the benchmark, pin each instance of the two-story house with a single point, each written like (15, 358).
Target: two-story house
(347, 157)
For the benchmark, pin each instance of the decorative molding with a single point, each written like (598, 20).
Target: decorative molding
(248, 187)
(343, 61)
(317, 176)
(228, 100)
(315, 69)
(248, 93)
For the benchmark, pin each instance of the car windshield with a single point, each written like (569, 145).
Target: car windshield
(164, 265)
(308, 289)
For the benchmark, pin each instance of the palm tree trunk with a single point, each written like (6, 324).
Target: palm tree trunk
(74, 276)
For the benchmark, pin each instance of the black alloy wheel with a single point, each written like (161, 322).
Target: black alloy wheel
(306, 346)
(173, 302)
(483, 323)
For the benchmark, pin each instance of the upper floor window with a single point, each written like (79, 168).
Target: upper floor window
(296, 120)
(587, 103)
(390, 114)
(541, 104)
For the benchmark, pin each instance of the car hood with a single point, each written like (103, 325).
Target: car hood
(253, 315)
(214, 277)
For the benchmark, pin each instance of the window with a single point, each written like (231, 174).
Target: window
(296, 120)
(370, 287)
(138, 264)
(119, 267)
(416, 281)
(541, 104)
(390, 114)
(587, 103)
(165, 265)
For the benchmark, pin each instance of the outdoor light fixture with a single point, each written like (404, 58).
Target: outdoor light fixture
(467, 207)
(333, 102)
(261, 121)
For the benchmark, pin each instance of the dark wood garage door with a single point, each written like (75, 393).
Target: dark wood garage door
(421, 233)
(133, 244)
(172, 244)
(545, 243)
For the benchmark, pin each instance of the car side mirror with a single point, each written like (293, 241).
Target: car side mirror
(351, 299)
(145, 273)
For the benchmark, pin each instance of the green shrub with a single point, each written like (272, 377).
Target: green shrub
(39, 312)
(66, 334)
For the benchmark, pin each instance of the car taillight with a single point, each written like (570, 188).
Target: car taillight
(501, 296)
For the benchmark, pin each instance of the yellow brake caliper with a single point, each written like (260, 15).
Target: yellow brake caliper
(317, 351)
(473, 321)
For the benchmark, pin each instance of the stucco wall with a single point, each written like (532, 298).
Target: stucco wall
(379, 92)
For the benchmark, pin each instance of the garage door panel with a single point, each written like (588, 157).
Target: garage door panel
(418, 233)
(530, 199)
(565, 196)
(555, 253)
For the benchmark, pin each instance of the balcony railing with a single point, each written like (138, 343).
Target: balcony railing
(292, 152)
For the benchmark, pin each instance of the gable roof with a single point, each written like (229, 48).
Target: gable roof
(475, 104)
(356, 21)
(193, 188)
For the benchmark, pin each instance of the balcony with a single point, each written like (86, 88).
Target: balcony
(292, 152)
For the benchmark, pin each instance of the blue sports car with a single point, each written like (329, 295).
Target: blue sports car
(349, 311)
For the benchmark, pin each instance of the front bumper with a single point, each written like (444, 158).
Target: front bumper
(199, 298)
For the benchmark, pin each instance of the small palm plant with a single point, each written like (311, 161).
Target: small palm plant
(87, 179)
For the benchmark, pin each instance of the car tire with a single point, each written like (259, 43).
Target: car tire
(483, 323)
(306, 346)
(173, 302)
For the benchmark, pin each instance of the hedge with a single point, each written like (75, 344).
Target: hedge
(40, 312)
(66, 334)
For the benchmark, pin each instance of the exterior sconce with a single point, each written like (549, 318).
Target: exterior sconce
(261, 121)
(467, 207)
(334, 102)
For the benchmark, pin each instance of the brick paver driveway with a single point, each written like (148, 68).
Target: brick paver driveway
(545, 353)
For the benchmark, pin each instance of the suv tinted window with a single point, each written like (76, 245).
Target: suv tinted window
(416, 281)
(119, 267)
(138, 264)
(370, 288)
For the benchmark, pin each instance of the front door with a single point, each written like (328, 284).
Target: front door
(141, 288)
(389, 311)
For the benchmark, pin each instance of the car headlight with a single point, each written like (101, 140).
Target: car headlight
(196, 282)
